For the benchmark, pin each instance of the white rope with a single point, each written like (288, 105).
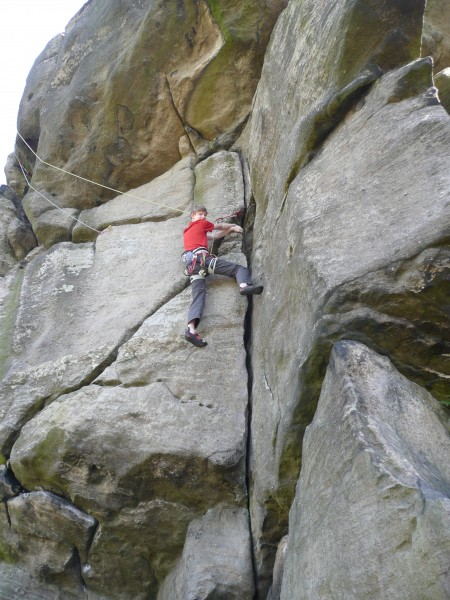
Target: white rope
(185, 212)
(48, 199)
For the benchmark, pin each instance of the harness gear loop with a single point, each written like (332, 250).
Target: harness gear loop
(212, 266)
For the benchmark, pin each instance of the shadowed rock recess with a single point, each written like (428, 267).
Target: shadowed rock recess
(303, 454)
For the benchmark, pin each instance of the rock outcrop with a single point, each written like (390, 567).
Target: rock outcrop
(359, 230)
(374, 488)
(134, 465)
(180, 68)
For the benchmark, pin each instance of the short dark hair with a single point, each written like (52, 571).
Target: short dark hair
(196, 209)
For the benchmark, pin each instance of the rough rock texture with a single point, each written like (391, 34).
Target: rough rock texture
(189, 66)
(16, 235)
(216, 560)
(321, 57)
(341, 162)
(156, 442)
(442, 82)
(77, 304)
(167, 196)
(374, 488)
(436, 33)
(360, 245)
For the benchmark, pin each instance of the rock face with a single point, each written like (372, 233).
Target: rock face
(360, 234)
(216, 559)
(134, 465)
(374, 488)
(198, 63)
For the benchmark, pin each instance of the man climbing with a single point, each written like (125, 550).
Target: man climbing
(199, 262)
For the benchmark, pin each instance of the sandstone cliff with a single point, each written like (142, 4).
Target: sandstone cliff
(304, 453)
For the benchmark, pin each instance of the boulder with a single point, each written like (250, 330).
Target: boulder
(216, 559)
(374, 489)
(356, 250)
(48, 538)
(180, 68)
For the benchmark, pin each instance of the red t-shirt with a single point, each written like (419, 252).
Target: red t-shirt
(194, 235)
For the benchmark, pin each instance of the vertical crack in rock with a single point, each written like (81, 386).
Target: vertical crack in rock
(76, 563)
(248, 363)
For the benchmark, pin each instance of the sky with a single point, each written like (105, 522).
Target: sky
(27, 26)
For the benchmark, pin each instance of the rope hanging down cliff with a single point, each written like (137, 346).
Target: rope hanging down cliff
(185, 212)
(238, 213)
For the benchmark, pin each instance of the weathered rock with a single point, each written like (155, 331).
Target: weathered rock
(180, 67)
(16, 235)
(54, 226)
(21, 238)
(278, 569)
(14, 176)
(48, 538)
(17, 582)
(219, 182)
(442, 81)
(216, 559)
(44, 515)
(150, 455)
(352, 222)
(374, 488)
(436, 33)
(7, 218)
(321, 58)
(77, 304)
(167, 196)
(9, 486)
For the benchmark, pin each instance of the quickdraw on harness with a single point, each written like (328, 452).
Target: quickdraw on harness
(195, 261)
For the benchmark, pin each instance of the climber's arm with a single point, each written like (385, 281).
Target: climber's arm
(223, 229)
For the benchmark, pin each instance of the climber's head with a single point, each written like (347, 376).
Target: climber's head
(198, 212)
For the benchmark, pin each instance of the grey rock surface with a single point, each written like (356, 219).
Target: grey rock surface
(157, 442)
(167, 196)
(216, 560)
(346, 237)
(219, 182)
(76, 305)
(9, 486)
(47, 538)
(320, 59)
(374, 488)
(278, 570)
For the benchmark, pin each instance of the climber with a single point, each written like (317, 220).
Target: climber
(199, 262)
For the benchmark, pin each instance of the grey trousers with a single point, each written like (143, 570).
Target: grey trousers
(223, 267)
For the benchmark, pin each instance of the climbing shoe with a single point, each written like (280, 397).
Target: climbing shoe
(251, 290)
(194, 339)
